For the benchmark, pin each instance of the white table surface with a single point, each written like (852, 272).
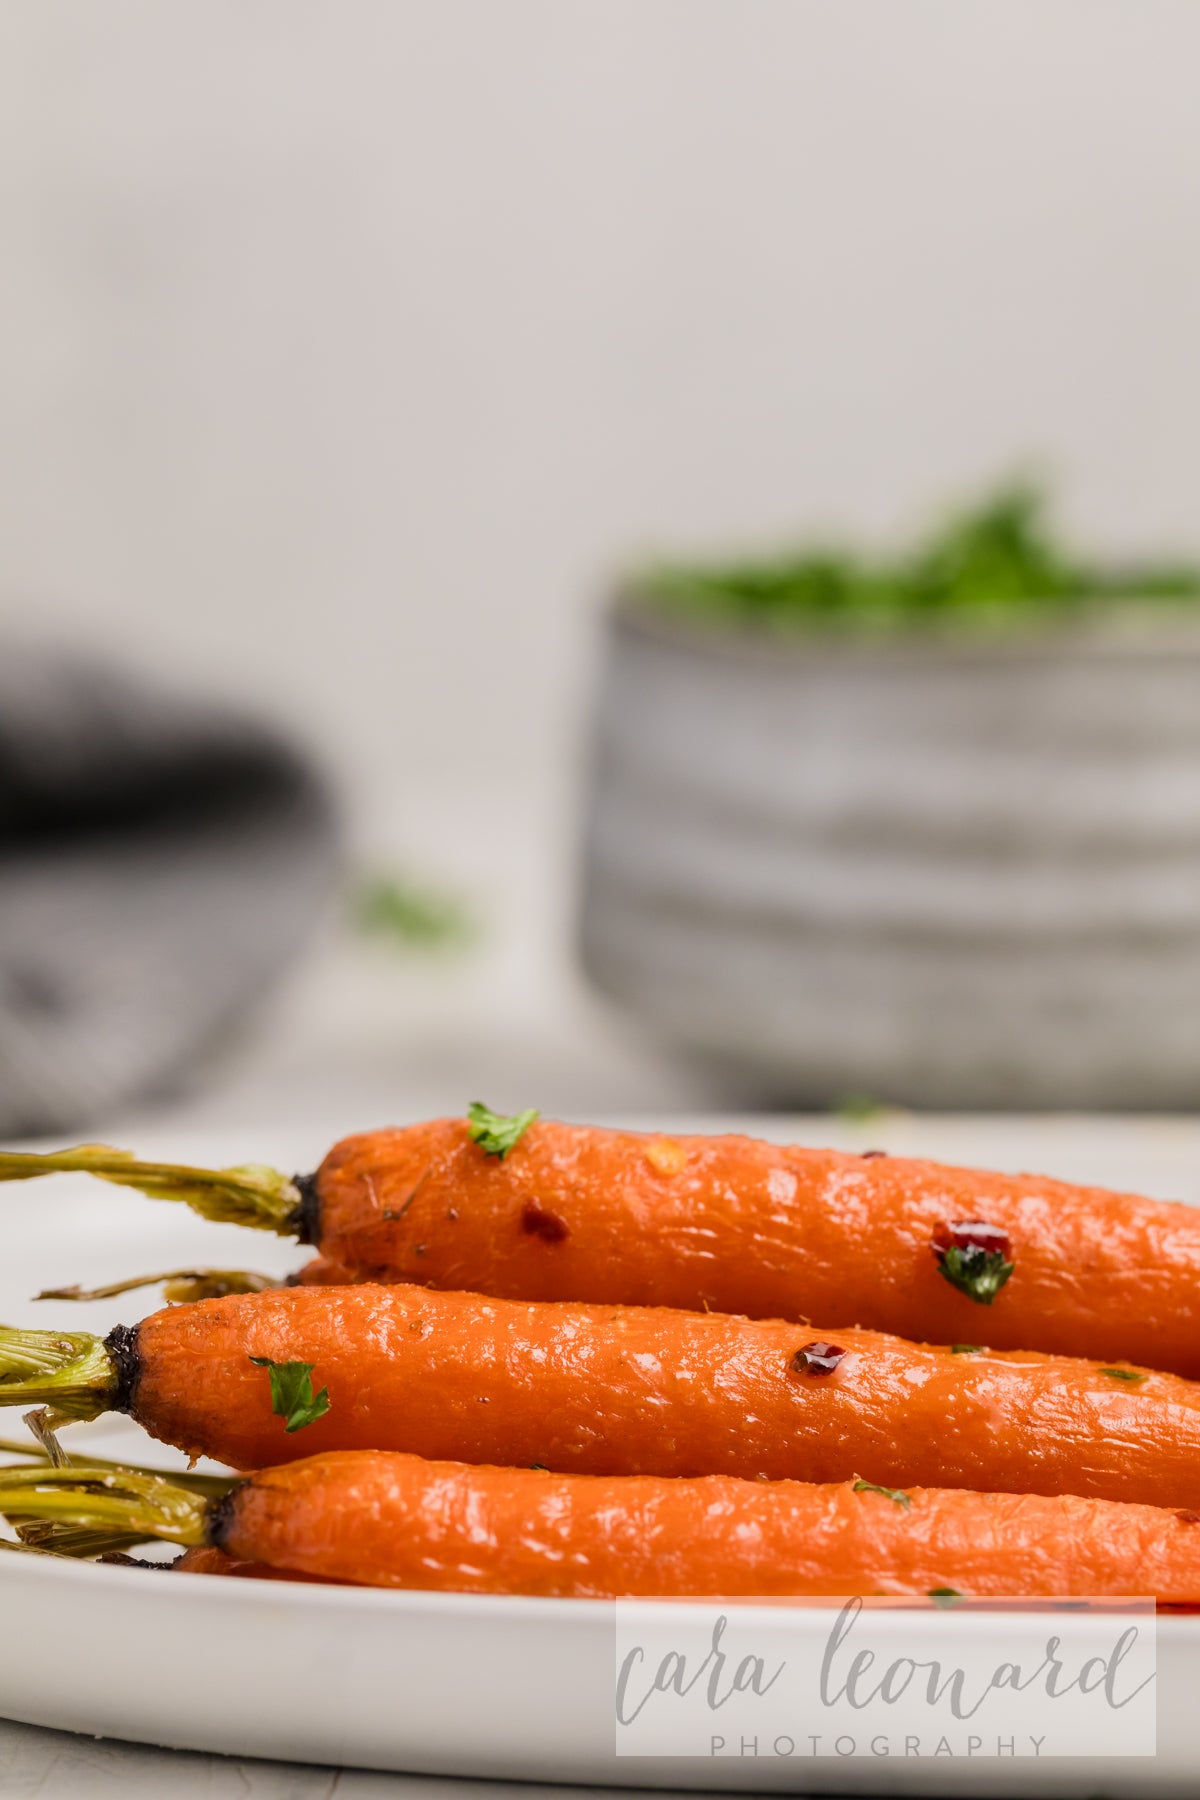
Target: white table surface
(1160, 1157)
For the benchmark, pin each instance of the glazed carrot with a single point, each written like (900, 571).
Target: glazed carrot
(204, 1560)
(322, 1271)
(620, 1391)
(545, 1211)
(389, 1520)
(745, 1226)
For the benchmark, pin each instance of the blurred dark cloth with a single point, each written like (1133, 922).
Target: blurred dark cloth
(161, 862)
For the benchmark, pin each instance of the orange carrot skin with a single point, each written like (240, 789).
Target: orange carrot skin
(581, 1213)
(390, 1520)
(638, 1390)
(319, 1271)
(202, 1559)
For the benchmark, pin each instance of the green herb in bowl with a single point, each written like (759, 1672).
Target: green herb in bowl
(994, 566)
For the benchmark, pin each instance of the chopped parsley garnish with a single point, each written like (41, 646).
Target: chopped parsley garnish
(974, 1257)
(945, 1596)
(292, 1397)
(967, 1349)
(1124, 1374)
(858, 1109)
(413, 916)
(896, 1494)
(979, 1274)
(494, 1132)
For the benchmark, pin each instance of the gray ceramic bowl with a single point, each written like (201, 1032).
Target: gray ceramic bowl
(959, 874)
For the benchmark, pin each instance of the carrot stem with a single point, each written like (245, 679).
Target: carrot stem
(250, 1194)
(57, 1537)
(40, 1421)
(212, 1486)
(48, 1537)
(179, 1285)
(72, 1372)
(98, 1499)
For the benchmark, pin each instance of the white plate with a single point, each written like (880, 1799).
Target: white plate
(439, 1684)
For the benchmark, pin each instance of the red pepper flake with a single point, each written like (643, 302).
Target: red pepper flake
(545, 1225)
(817, 1359)
(972, 1234)
(974, 1257)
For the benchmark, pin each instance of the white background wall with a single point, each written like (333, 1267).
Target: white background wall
(346, 347)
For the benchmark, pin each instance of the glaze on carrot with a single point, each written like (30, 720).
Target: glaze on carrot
(628, 1390)
(388, 1520)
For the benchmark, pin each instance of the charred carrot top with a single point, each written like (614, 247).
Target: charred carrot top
(257, 1379)
(574, 1212)
(389, 1520)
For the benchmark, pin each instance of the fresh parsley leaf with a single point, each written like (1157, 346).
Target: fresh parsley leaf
(945, 1596)
(292, 1396)
(896, 1494)
(493, 1132)
(967, 1349)
(543, 1468)
(857, 1109)
(975, 1272)
(1124, 1374)
(412, 916)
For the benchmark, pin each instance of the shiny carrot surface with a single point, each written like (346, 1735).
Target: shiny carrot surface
(739, 1225)
(389, 1520)
(628, 1390)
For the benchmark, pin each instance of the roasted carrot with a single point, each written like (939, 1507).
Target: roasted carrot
(389, 1520)
(322, 1271)
(544, 1211)
(618, 1391)
(204, 1560)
